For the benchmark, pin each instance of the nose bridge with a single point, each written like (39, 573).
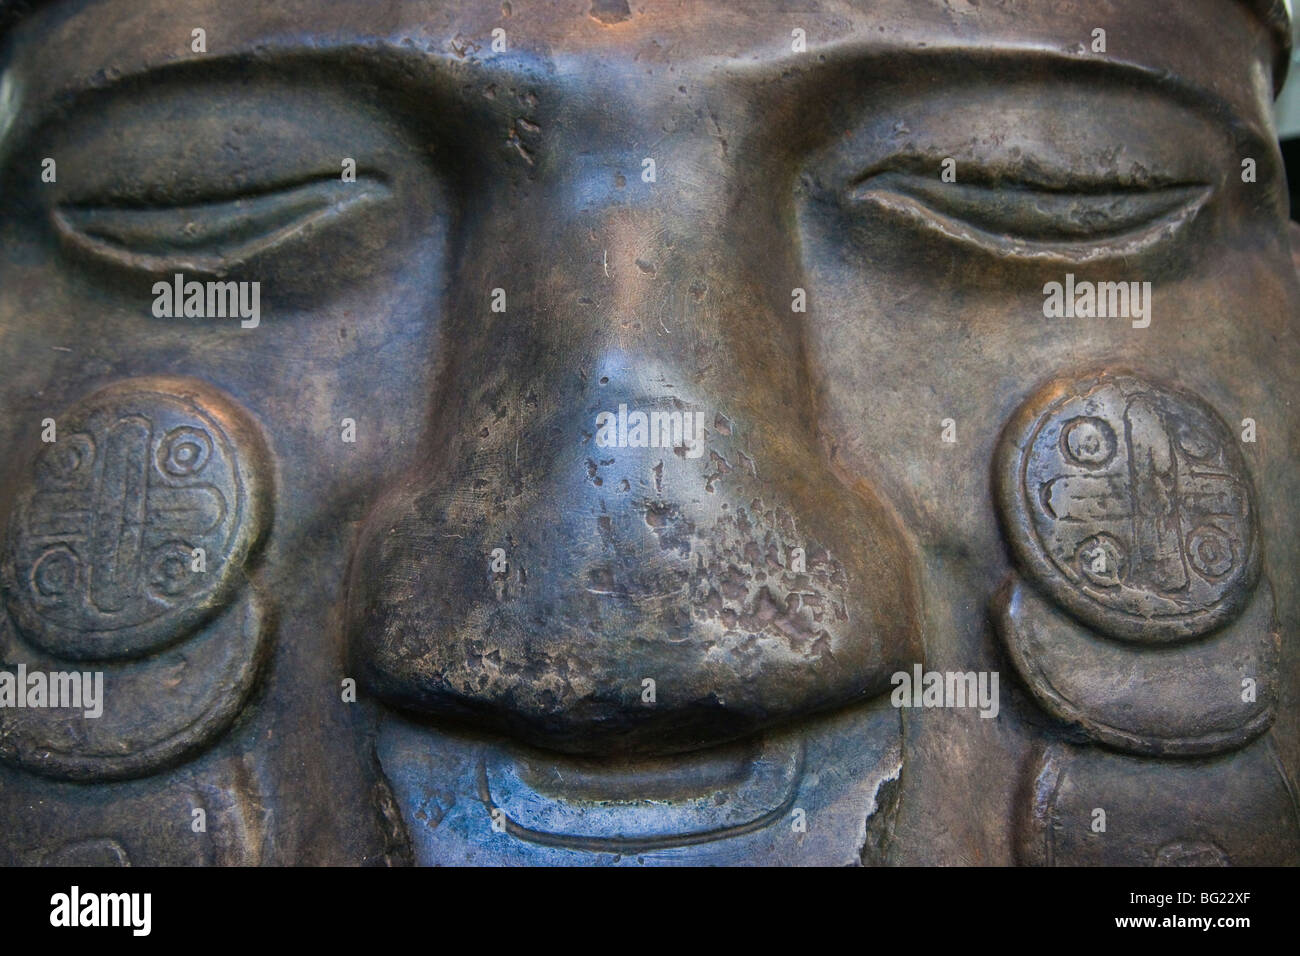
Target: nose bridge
(666, 249)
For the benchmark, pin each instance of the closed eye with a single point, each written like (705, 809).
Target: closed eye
(1037, 217)
(210, 234)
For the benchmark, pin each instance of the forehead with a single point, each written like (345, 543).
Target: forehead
(1218, 47)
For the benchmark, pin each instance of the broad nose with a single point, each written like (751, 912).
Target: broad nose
(625, 537)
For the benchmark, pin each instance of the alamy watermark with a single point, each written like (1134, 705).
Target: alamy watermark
(946, 689)
(129, 910)
(179, 299)
(71, 689)
(637, 429)
(1098, 300)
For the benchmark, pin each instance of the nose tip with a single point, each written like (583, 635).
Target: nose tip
(631, 596)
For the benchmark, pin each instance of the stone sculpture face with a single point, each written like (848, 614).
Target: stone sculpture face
(551, 432)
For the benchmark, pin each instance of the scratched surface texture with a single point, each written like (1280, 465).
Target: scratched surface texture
(369, 576)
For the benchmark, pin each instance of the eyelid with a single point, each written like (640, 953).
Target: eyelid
(209, 234)
(1036, 212)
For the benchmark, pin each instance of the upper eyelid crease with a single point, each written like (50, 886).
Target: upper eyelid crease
(218, 195)
(1092, 219)
(1022, 175)
(213, 232)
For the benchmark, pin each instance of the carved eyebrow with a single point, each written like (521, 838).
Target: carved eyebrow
(399, 66)
(1002, 61)
(416, 68)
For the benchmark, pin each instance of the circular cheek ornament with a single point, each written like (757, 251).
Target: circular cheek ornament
(1128, 504)
(1134, 614)
(126, 550)
(131, 529)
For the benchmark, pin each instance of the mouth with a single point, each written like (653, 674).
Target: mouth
(637, 805)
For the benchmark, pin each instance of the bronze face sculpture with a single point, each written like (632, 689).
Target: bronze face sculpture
(595, 432)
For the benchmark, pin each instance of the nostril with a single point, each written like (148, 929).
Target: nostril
(747, 583)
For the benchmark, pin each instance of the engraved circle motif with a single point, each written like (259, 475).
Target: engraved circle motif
(185, 451)
(1129, 503)
(1089, 441)
(1102, 561)
(102, 558)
